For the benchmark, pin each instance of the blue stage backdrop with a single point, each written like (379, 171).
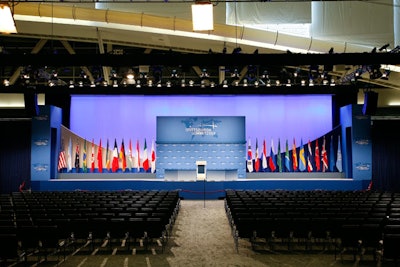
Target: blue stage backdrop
(268, 117)
(220, 141)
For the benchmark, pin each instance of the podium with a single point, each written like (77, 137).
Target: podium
(201, 171)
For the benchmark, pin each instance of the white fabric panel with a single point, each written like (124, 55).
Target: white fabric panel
(268, 12)
(353, 21)
(396, 23)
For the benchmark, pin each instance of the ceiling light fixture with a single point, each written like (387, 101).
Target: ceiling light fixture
(202, 16)
(7, 23)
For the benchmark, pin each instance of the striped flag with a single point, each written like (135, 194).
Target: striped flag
(309, 163)
(264, 156)
(153, 158)
(115, 160)
(249, 157)
(271, 161)
(324, 157)
(62, 162)
(294, 156)
(257, 158)
(302, 159)
(122, 156)
(146, 164)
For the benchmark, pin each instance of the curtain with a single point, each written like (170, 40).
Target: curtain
(15, 155)
(385, 155)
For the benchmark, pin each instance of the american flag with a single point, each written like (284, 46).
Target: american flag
(62, 162)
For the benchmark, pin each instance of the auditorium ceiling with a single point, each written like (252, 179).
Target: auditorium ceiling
(72, 46)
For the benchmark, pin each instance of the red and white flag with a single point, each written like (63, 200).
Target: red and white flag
(153, 158)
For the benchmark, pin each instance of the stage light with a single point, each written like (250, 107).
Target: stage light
(6, 82)
(289, 83)
(71, 84)
(256, 84)
(311, 82)
(303, 82)
(92, 84)
(333, 83)
(225, 84)
(150, 83)
(191, 83)
(212, 84)
(138, 85)
(202, 16)
(168, 83)
(115, 83)
(183, 83)
(7, 23)
(385, 75)
(245, 84)
(384, 47)
(277, 82)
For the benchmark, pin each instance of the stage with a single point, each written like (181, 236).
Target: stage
(191, 189)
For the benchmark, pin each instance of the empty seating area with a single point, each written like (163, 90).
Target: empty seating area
(356, 222)
(42, 223)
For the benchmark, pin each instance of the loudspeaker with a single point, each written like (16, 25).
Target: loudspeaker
(370, 103)
(31, 104)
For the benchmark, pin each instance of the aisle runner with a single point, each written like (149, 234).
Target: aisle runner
(203, 237)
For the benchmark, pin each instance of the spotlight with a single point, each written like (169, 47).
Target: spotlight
(168, 83)
(385, 75)
(311, 82)
(138, 85)
(150, 83)
(303, 82)
(71, 84)
(225, 84)
(245, 83)
(289, 83)
(212, 84)
(333, 83)
(237, 50)
(191, 83)
(183, 83)
(384, 47)
(6, 82)
(92, 84)
(256, 84)
(115, 83)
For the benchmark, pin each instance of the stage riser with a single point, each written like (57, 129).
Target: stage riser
(196, 189)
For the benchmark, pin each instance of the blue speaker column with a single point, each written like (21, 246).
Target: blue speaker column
(45, 144)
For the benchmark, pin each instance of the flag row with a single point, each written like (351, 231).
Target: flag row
(108, 159)
(309, 157)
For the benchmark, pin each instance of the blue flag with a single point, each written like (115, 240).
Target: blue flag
(331, 156)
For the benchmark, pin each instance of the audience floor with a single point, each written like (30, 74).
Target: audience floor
(201, 237)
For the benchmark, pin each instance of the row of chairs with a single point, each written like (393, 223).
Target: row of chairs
(47, 222)
(355, 221)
